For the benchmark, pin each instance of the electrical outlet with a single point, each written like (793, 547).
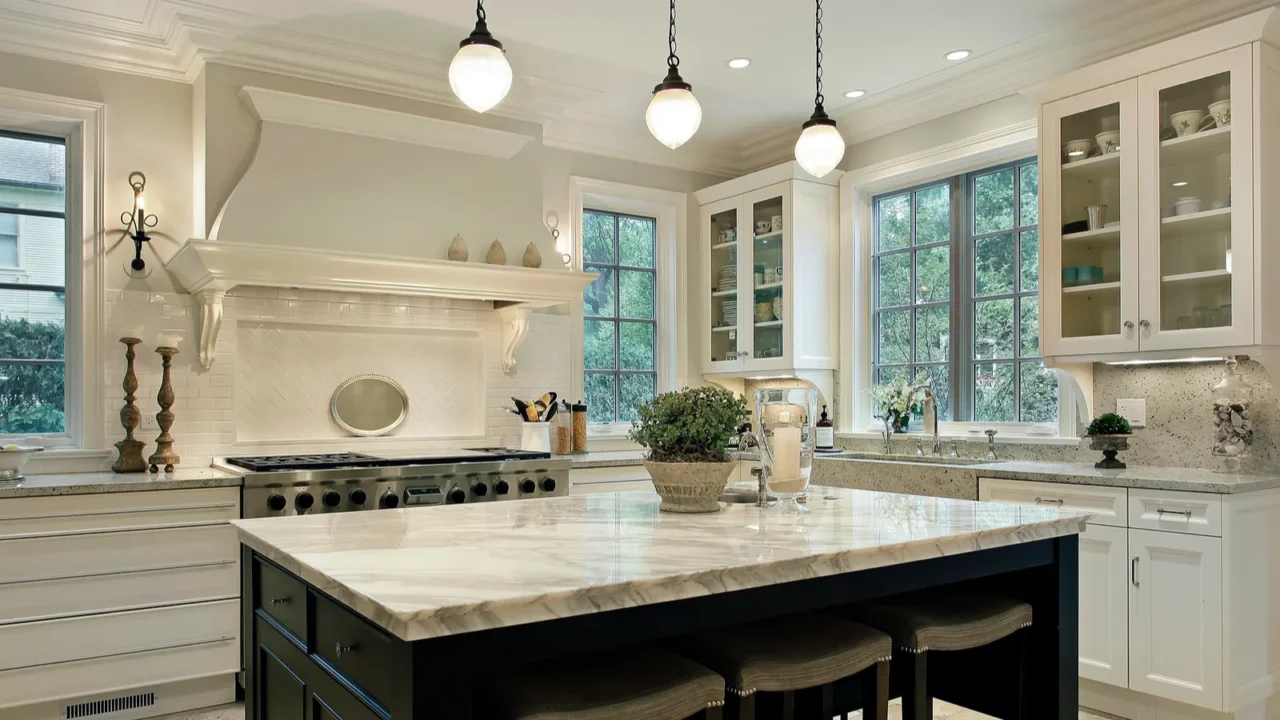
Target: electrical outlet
(149, 422)
(1134, 410)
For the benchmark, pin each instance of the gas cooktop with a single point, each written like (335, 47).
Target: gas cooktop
(329, 461)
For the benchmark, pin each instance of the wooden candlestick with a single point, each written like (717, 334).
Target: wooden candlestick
(130, 450)
(164, 454)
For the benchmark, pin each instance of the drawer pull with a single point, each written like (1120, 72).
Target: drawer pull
(1049, 501)
(1133, 571)
(1160, 512)
(275, 601)
(340, 649)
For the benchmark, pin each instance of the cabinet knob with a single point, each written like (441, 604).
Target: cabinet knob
(341, 649)
(1128, 324)
(281, 600)
(1144, 324)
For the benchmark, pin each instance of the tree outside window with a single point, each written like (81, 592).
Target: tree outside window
(956, 271)
(619, 314)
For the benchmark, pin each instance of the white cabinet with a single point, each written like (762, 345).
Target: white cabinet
(1150, 241)
(1104, 604)
(769, 273)
(1175, 617)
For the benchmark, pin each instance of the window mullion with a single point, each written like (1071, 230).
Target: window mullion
(962, 292)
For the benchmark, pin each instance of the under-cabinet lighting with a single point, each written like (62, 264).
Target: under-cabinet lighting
(1174, 361)
(955, 55)
(739, 63)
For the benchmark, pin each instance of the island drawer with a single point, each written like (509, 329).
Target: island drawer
(1182, 512)
(356, 649)
(1109, 505)
(283, 597)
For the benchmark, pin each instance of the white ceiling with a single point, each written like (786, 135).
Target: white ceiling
(585, 68)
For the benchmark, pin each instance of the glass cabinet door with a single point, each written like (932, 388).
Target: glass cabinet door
(725, 350)
(1197, 209)
(1090, 205)
(767, 211)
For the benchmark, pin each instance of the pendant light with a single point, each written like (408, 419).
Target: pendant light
(820, 147)
(479, 73)
(674, 113)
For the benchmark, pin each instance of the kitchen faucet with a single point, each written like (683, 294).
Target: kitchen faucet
(745, 441)
(886, 433)
(930, 406)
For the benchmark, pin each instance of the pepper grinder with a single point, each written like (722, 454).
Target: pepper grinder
(164, 454)
(130, 458)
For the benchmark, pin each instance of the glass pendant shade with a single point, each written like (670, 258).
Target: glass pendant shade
(480, 76)
(819, 149)
(673, 116)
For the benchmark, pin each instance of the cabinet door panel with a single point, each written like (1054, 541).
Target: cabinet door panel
(1197, 203)
(1089, 280)
(1175, 617)
(724, 234)
(1104, 605)
(282, 695)
(767, 296)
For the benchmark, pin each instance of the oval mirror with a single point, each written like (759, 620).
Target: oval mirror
(369, 405)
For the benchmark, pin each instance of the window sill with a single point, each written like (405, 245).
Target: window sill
(972, 438)
(68, 460)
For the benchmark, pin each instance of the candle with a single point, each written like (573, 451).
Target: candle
(172, 340)
(786, 453)
(134, 331)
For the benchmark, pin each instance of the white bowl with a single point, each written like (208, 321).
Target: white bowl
(11, 461)
(1077, 150)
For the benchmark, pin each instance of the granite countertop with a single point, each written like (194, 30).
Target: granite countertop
(430, 572)
(632, 458)
(106, 482)
(1146, 478)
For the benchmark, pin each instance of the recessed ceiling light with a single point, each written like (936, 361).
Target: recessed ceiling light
(1180, 183)
(854, 94)
(958, 54)
(739, 63)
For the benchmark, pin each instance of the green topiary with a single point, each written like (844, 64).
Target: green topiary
(690, 425)
(1109, 424)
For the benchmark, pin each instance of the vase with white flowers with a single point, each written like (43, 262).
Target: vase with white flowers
(897, 398)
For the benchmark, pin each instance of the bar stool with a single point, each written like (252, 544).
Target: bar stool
(925, 623)
(642, 683)
(804, 667)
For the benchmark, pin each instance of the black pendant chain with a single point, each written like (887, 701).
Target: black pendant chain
(818, 99)
(480, 16)
(673, 60)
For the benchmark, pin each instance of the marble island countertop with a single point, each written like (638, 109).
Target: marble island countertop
(430, 572)
(108, 482)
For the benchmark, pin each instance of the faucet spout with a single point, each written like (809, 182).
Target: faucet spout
(931, 411)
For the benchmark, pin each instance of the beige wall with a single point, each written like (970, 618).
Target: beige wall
(148, 128)
(994, 115)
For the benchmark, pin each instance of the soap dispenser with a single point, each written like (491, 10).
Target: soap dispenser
(826, 439)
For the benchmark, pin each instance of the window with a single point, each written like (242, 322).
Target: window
(33, 291)
(956, 272)
(619, 314)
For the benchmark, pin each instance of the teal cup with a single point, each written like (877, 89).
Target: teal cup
(1070, 276)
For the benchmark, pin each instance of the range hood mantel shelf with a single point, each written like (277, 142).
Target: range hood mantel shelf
(209, 269)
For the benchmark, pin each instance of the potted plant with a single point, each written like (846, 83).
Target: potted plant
(1109, 433)
(687, 433)
(897, 399)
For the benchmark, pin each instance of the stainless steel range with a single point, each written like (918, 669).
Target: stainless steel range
(345, 482)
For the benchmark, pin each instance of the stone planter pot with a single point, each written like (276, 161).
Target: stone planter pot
(1109, 445)
(690, 487)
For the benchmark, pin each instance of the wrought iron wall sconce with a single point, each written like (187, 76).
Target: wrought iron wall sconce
(552, 222)
(137, 221)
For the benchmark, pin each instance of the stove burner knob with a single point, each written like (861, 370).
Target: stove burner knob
(276, 502)
(479, 489)
(527, 486)
(331, 498)
(389, 500)
(304, 501)
(357, 497)
(548, 484)
(501, 487)
(457, 495)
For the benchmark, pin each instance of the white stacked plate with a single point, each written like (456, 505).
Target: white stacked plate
(730, 312)
(729, 277)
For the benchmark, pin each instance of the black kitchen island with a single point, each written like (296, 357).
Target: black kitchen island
(411, 613)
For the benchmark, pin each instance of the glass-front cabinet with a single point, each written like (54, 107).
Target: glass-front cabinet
(757, 239)
(1148, 224)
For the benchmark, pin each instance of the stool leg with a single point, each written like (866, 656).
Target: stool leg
(875, 692)
(816, 703)
(715, 713)
(917, 704)
(740, 708)
(1024, 671)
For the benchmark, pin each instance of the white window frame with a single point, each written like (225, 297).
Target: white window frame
(670, 209)
(857, 188)
(81, 124)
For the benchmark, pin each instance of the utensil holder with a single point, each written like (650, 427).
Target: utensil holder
(535, 436)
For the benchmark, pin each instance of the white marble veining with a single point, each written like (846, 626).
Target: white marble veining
(608, 458)
(1147, 478)
(429, 572)
(107, 482)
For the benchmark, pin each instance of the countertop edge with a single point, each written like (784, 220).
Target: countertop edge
(583, 601)
(101, 487)
(1206, 487)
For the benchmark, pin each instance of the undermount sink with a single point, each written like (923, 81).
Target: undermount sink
(739, 497)
(931, 459)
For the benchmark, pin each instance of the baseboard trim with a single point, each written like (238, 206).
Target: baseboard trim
(169, 698)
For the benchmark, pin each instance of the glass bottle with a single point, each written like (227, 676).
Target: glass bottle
(1233, 415)
(826, 438)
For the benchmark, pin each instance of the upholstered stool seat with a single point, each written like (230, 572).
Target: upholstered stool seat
(922, 623)
(631, 684)
(795, 664)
